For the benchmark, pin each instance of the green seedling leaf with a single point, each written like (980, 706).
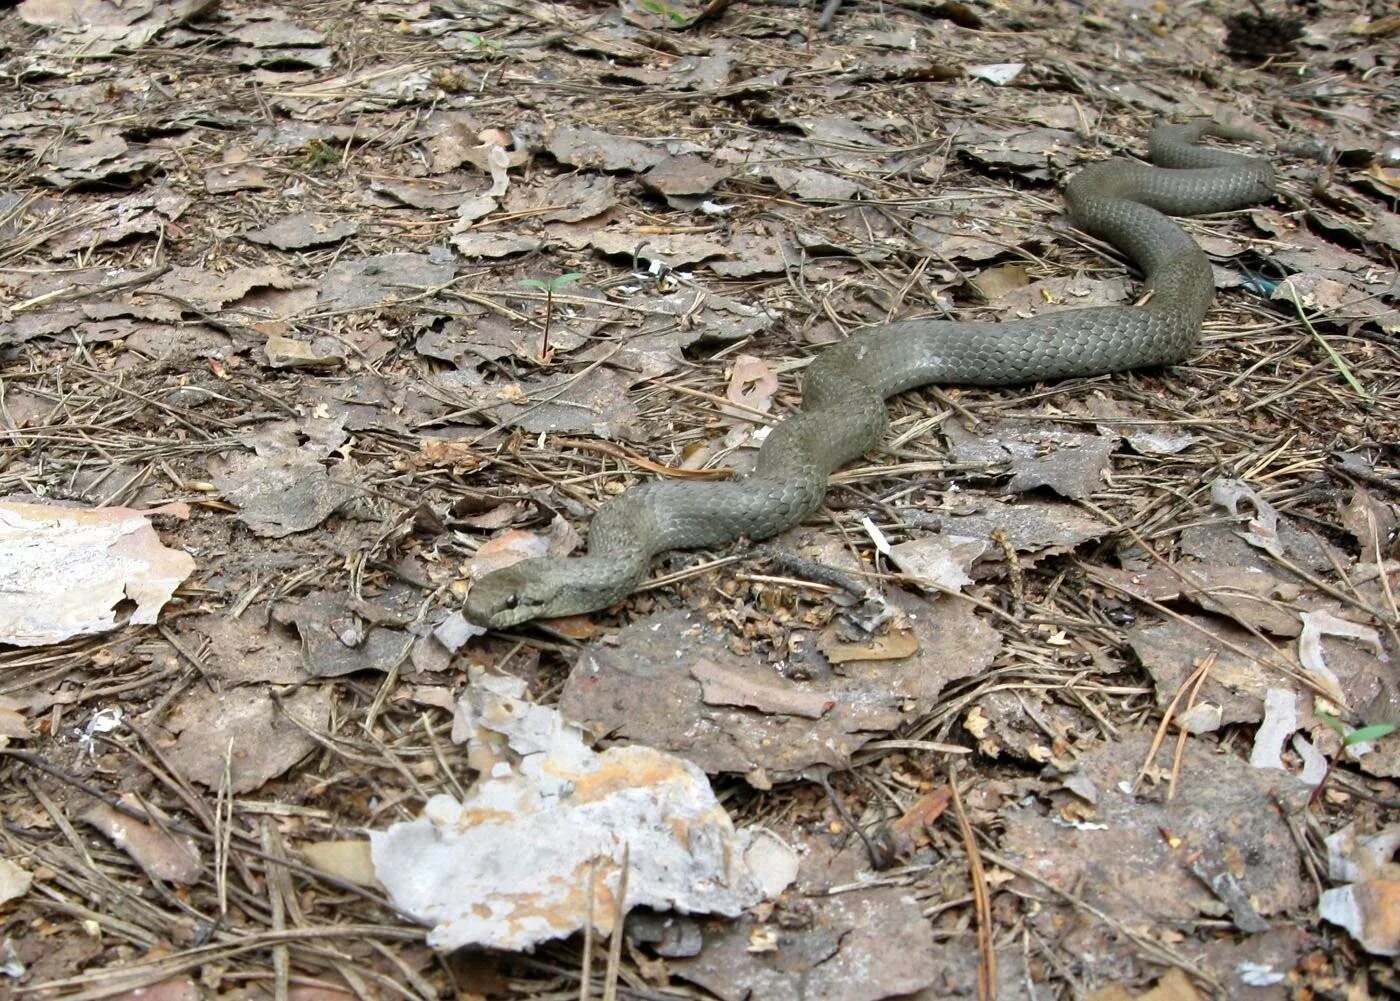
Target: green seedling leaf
(538, 283)
(1334, 723)
(486, 44)
(568, 279)
(656, 7)
(1368, 733)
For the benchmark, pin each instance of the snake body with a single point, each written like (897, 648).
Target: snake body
(844, 391)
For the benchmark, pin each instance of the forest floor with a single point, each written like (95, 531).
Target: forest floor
(312, 313)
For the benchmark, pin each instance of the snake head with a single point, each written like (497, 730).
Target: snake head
(550, 588)
(512, 595)
(546, 588)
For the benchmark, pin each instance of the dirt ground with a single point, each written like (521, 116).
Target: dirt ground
(312, 313)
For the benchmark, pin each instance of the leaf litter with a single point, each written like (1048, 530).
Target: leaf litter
(267, 262)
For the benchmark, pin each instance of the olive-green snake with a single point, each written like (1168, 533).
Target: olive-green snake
(843, 409)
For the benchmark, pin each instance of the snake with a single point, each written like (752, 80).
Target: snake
(845, 388)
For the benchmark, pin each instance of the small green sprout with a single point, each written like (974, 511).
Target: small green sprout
(549, 286)
(485, 46)
(1361, 735)
(657, 7)
(1350, 738)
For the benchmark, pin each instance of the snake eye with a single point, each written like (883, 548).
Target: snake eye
(511, 600)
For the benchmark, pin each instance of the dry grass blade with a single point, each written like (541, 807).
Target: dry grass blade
(987, 985)
(619, 921)
(585, 976)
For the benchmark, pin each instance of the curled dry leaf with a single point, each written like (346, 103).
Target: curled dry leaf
(1263, 526)
(752, 384)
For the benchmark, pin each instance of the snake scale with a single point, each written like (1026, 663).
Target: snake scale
(844, 391)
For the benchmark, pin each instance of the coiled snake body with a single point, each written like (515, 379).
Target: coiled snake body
(843, 410)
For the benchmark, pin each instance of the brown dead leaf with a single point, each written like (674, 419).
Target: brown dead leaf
(441, 194)
(163, 854)
(173, 989)
(275, 32)
(1369, 910)
(282, 493)
(211, 292)
(565, 198)
(1035, 527)
(1134, 859)
(1073, 465)
(752, 384)
(810, 184)
(236, 176)
(347, 860)
(247, 727)
(939, 562)
(1372, 522)
(340, 635)
(1051, 295)
(249, 650)
(1175, 986)
(675, 250)
(852, 946)
(993, 283)
(909, 830)
(596, 150)
(893, 644)
(303, 230)
(383, 278)
(437, 453)
(684, 175)
(288, 352)
(596, 404)
(1237, 683)
(514, 545)
(491, 245)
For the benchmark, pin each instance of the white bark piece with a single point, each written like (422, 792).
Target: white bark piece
(1279, 723)
(1317, 625)
(511, 865)
(1314, 761)
(63, 570)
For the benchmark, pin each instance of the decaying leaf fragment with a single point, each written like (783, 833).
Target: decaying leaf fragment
(63, 570)
(1368, 905)
(14, 881)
